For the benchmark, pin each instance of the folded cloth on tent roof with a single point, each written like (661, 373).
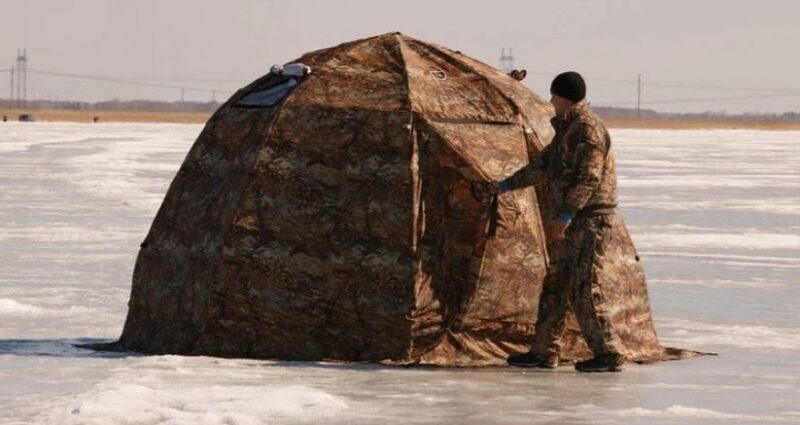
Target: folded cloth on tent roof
(292, 69)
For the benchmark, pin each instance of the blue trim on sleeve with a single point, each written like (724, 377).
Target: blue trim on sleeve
(503, 185)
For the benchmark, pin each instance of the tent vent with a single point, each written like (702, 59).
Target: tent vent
(438, 74)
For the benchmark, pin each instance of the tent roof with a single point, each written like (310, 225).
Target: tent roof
(395, 72)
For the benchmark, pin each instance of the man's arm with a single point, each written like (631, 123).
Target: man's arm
(590, 157)
(529, 174)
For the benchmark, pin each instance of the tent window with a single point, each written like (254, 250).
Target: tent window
(269, 96)
(281, 81)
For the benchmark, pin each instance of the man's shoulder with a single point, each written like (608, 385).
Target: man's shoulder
(589, 120)
(587, 126)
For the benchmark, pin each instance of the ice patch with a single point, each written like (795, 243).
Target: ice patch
(730, 259)
(10, 307)
(783, 206)
(720, 240)
(119, 170)
(696, 387)
(707, 182)
(151, 402)
(66, 188)
(178, 390)
(721, 283)
(678, 411)
(689, 333)
(681, 413)
(63, 233)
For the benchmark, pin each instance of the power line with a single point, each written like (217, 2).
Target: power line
(192, 80)
(715, 87)
(123, 81)
(632, 81)
(708, 87)
(506, 56)
(588, 77)
(706, 99)
(613, 80)
(188, 80)
(766, 93)
(70, 92)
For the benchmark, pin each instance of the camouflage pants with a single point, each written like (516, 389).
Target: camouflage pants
(576, 278)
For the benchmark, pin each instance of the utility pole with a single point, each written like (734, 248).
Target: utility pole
(22, 78)
(19, 79)
(182, 94)
(506, 60)
(503, 59)
(11, 92)
(639, 96)
(25, 79)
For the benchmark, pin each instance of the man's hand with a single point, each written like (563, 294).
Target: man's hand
(558, 228)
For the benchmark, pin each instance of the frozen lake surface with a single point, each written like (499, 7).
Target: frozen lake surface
(715, 216)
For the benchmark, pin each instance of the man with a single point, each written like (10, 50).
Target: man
(579, 168)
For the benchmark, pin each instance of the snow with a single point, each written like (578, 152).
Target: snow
(764, 339)
(169, 393)
(14, 308)
(755, 241)
(714, 215)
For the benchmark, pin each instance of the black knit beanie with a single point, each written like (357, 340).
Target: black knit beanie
(569, 85)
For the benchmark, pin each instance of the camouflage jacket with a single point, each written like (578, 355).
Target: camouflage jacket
(578, 164)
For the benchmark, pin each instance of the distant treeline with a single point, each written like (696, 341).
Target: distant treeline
(612, 112)
(603, 111)
(114, 105)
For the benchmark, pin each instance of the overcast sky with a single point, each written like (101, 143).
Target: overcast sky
(740, 55)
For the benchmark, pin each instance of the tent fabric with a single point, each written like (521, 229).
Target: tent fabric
(349, 221)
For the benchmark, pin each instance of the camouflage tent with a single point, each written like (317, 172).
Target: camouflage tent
(340, 215)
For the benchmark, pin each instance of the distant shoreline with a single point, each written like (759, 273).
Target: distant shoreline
(700, 124)
(106, 116)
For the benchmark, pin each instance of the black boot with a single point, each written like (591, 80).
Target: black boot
(530, 359)
(609, 362)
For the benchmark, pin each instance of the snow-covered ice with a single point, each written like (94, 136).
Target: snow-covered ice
(715, 216)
